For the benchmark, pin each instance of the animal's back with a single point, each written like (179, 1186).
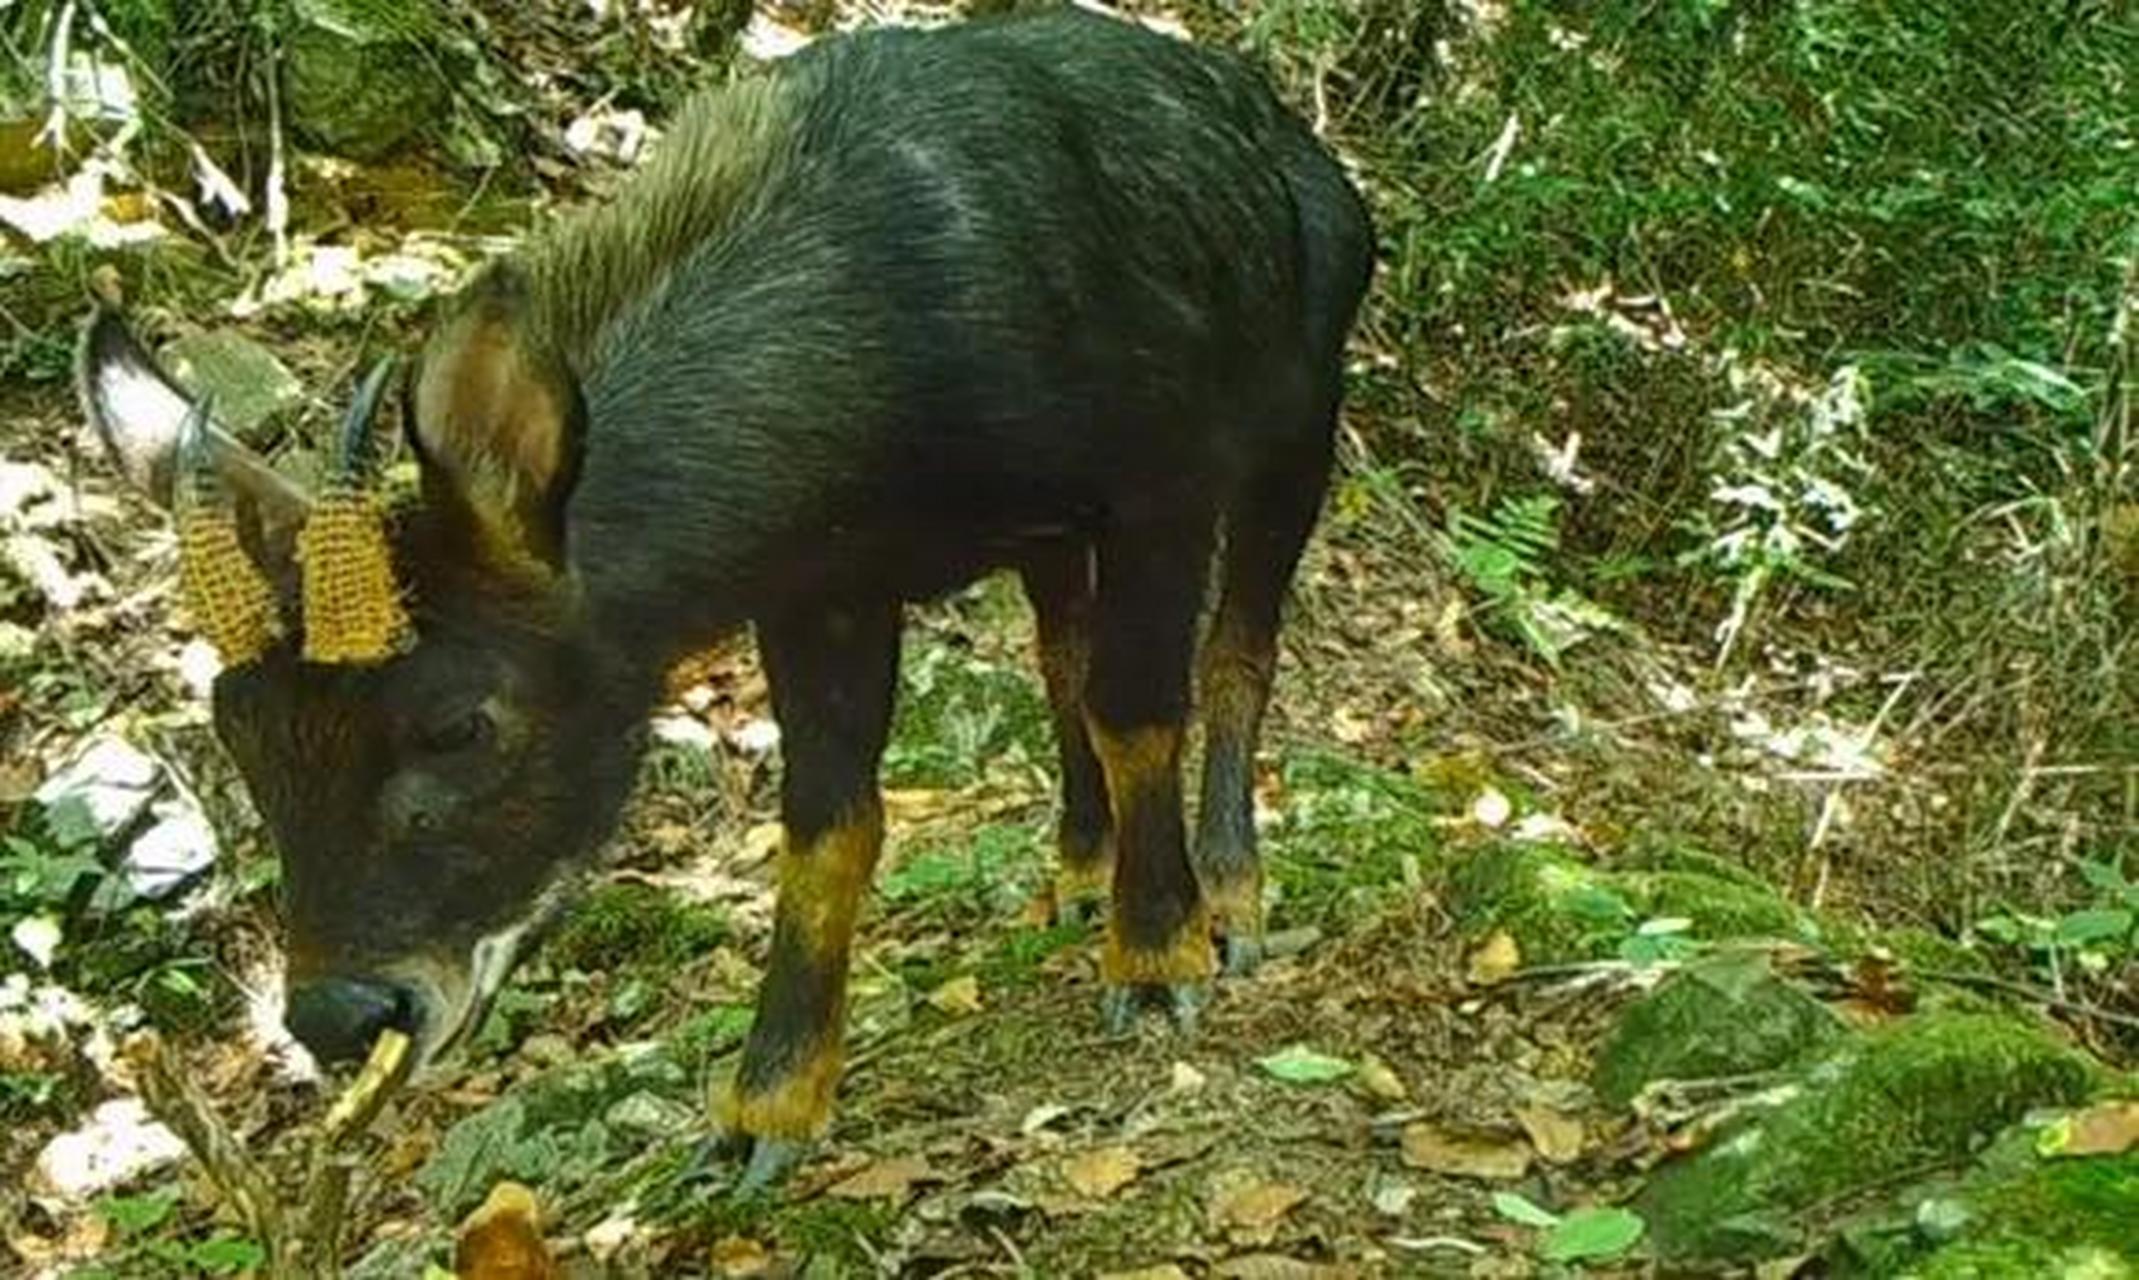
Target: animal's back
(1000, 276)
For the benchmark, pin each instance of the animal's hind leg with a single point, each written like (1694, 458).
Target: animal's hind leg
(1058, 582)
(1265, 533)
(1151, 579)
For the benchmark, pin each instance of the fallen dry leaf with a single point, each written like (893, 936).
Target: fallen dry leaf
(502, 1239)
(1378, 1079)
(918, 804)
(1495, 960)
(760, 843)
(741, 1258)
(1250, 1211)
(1100, 1172)
(891, 1179)
(2106, 1129)
(958, 997)
(1556, 1135)
(1438, 1150)
(1164, 1271)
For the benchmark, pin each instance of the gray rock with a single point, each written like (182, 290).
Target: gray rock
(249, 384)
(108, 786)
(170, 855)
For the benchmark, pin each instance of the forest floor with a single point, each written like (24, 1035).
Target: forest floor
(1529, 1010)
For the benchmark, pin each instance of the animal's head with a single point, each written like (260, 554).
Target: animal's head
(408, 688)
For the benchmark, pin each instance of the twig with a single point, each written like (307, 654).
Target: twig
(174, 1098)
(2049, 999)
(306, 1247)
(278, 195)
(326, 1194)
(54, 133)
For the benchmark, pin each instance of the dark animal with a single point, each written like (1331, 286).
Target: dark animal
(1051, 293)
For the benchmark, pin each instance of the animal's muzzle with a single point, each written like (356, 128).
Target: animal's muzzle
(338, 1018)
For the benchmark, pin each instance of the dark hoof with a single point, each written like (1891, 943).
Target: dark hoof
(771, 1160)
(1183, 1002)
(1241, 954)
(1083, 911)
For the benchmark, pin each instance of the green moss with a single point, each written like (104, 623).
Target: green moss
(1555, 907)
(2068, 1216)
(621, 927)
(1721, 909)
(1925, 1090)
(1558, 908)
(2022, 1260)
(1351, 834)
(1726, 1016)
(1654, 851)
(1921, 949)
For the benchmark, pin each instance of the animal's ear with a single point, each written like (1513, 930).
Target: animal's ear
(499, 425)
(140, 416)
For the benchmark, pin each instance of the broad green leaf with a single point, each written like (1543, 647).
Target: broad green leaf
(1298, 1064)
(1592, 1233)
(1517, 1209)
(227, 1255)
(2103, 875)
(132, 1215)
(2081, 928)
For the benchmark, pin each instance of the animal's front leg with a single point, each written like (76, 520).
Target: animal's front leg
(832, 674)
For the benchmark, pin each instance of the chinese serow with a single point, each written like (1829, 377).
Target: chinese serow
(1053, 294)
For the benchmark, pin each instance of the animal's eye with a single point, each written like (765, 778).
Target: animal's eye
(467, 732)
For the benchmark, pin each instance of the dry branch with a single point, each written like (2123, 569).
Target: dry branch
(302, 1239)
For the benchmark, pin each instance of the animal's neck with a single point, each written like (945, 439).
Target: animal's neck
(705, 175)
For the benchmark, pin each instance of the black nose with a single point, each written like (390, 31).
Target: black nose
(338, 1018)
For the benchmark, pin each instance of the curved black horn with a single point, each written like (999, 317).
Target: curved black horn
(196, 484)
(358, 451)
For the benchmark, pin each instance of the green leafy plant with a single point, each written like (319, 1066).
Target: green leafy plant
(44, 865)
(1504, 557)
(1588, 1234)
(1780, 498)
(973, 875)
(1660, 941)
(2093, 939)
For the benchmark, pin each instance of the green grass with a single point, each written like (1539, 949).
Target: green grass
(635, 927)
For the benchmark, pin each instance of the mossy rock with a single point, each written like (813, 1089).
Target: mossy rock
(2071, 1217)
(1720, 908)
(1726, 1015)
(248, 383)
(1927, 1089)
(1558, 908)
(2024, 1260)
(2018, 1212)
(355, 73)
(1555, 907)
